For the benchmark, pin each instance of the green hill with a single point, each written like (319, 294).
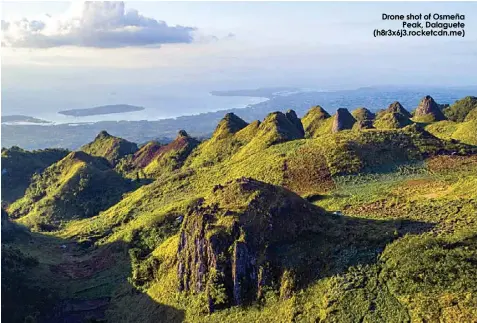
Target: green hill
(77, 186)
(18, 166)
(461, 131)
(282, 220)
(458, 111)
(391, 120)
(110, 147)
(314, 120)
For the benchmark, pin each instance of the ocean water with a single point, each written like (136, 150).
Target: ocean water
(158, 103)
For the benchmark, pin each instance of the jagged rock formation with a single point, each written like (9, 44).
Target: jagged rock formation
(314, 120)
(396, 107)
(291, 115)
(428, 111)
(229, 240)
(343, 120)
(110, 147)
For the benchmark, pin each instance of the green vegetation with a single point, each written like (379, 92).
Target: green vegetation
(110, 147)
(460, 109)
(280, 220)
(391, 120)
(19, 165)
(314, 120)
(77, 186)
(362, 114)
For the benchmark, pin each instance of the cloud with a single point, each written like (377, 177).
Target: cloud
(94, 24)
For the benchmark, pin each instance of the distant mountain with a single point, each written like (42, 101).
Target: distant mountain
(105, 109)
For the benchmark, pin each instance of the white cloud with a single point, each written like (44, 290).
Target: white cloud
(94, 24)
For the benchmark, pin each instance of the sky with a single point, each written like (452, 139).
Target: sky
(225, 45)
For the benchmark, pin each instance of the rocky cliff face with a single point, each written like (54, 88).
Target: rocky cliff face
(343, 120)
(227, 246)
(429, 108)
(291, 115)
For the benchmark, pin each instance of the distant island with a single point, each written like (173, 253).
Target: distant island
(104, 109)
(21, 118)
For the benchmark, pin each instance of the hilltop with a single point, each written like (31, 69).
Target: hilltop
(77, 186)
(110, 147)
(346, 217)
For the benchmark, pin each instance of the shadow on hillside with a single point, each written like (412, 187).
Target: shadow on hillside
(346, 242)
(73, 284)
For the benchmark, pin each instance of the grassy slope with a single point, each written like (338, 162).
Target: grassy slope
(462, 131)
(19, 165)
(363, 283)
(77, 186)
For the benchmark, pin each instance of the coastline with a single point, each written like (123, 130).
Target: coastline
(135, 116)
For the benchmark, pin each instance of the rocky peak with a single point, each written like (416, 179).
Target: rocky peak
(397, 107)
(429, 107)
(226, 239)
(343, 120)
(291, 115)
(229, 124)
(182, 133)
(103, 134)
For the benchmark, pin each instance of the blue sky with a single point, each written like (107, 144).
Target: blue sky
(237, 44)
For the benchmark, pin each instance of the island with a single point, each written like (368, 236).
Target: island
(18, 118)
(104, 109)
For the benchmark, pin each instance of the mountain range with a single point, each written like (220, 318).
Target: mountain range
(351, 216)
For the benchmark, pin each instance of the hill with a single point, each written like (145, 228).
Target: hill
(458, 111)
(77, 186)
(110, 147)
(19, 165)
(428, 111)
(314, 120)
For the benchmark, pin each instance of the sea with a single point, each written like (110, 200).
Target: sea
(158, 103)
